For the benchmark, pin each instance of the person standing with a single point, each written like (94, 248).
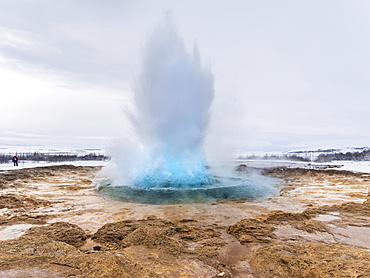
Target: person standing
(15, 160)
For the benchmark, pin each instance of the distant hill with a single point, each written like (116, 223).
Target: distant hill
(316, 155)
(54, 157)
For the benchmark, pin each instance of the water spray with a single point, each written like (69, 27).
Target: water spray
(165, 161)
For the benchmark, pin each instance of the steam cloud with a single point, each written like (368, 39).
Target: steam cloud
(172, 98)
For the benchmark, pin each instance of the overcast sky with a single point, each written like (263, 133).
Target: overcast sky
(288, 74)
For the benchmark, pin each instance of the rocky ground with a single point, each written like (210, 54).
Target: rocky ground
(53, 223)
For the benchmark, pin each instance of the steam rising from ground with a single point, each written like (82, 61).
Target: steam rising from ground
(172, 98)
(165, 161)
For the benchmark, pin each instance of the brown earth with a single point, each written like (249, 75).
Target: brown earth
(310, 260)
(53, 223)
(295, 257)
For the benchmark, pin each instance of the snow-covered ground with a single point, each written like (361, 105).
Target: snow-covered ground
(71, 150)
(32, 164)
(309, 154)
(355, 166)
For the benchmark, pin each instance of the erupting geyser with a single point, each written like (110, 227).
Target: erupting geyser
(172, 99)
(173, 95)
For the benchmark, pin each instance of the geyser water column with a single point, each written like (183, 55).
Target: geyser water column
(172, 97)
(164, 161)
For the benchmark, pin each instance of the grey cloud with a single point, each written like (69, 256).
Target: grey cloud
(287, 73)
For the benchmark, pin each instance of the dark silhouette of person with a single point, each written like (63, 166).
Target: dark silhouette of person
(15, 160)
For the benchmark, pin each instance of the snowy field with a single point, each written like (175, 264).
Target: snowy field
(355, 166)
(71, 150)
(32, 164)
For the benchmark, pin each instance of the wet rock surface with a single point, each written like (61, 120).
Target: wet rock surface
(63, 228)
(60, 231)
(310, 260)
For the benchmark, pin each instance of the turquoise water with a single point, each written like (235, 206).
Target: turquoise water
(172, 96)
(163, 161)
(218, 188)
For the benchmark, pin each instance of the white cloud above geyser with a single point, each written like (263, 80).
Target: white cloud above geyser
(288, 74)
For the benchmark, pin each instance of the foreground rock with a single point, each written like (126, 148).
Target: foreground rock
(317, 226)
(38, 255)
(293, 255)
(310, 260)
(146, 248)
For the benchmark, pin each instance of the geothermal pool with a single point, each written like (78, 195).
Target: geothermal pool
(172, 97)
(219, 188)
(163, 160)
